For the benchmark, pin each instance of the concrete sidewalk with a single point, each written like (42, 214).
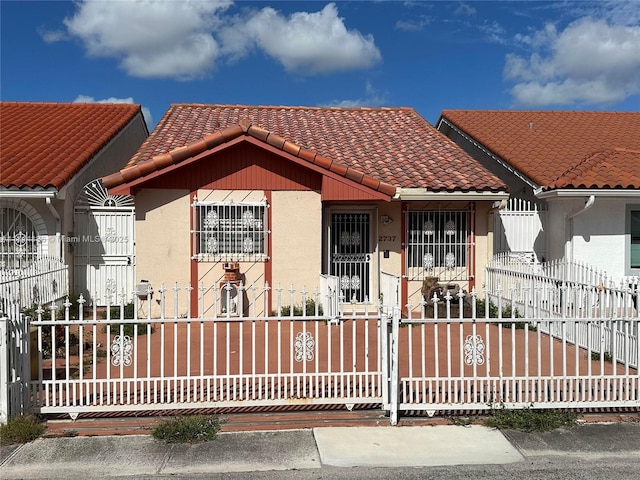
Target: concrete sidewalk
(141, 455)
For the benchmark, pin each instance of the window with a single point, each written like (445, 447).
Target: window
(18, 239)
(634, 230)
(231, 231)
(437, 244)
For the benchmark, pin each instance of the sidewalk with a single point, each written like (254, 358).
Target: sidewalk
(368, 446)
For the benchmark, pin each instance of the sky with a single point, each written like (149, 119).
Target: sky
(428, 55)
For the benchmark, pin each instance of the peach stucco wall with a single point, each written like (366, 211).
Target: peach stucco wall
(163, 251)
(296, 238)
(163, 244)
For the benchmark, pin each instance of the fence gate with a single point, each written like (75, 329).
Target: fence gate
(103, 243)
(519, 228)
(14, 365)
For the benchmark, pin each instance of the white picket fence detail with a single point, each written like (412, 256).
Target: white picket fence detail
(43, 280)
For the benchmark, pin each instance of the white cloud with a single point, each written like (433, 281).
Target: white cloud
(146, 113)
(151, 38)
(372, 98)
(590, 62)
(305, 43)
(413, 25)
(186, 39)
(466, 10)
(53, 36)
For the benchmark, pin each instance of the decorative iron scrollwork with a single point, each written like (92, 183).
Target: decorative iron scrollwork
(304, 346)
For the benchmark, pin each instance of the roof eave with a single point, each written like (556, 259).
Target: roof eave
(582, 192)
(27, 192)
(421, 194)
(496, 158)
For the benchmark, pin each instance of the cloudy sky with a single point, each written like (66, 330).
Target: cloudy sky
(562, 55)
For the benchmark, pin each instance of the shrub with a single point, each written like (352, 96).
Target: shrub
(529, 420)
(114, 311)
(188, 429)
(309, 311)
(607, 357)
(22, 429)
(128, 328)
(506, 314)
(60, 340)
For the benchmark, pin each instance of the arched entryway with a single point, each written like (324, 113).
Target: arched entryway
(103, 244)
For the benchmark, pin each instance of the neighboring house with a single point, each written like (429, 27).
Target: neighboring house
(583, 168)
(52, 204)
(284, 194)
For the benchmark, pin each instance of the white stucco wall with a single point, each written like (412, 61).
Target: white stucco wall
(595, 237)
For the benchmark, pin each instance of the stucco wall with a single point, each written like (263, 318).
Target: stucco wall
(296, 239)
(163, 249)
(598, 234)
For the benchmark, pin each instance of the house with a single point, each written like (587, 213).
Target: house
(53, 208)
(281, 195)
(582, 168)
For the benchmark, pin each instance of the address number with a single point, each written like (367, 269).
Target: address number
(387, 238)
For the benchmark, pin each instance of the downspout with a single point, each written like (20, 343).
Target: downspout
(56, 215)
(569, 241)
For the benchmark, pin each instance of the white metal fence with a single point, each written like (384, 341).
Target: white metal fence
(461, 354)
(458, 354)
(297, 355)
(519, 228)
(43, 280)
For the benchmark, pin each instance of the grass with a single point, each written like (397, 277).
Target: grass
(188, 429)
(529, 420)
(21, 429)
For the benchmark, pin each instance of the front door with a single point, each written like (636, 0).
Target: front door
(351, 254)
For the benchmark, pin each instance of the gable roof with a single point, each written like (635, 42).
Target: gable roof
(46, 144)
(559, 149)
(378, 147)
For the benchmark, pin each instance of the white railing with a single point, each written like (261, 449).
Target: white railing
(44, 280)
(515, 348)
(456, 356)
(293, 355)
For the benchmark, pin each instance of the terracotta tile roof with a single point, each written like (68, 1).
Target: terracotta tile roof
(607, 169)
(559, 149)
(390, 147)
(46, 144)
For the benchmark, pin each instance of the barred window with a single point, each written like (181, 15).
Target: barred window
(437, 244)
(231, 231)
(18, 239)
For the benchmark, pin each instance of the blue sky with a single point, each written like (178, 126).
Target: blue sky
(574, 55)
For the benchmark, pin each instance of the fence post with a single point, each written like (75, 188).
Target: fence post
(395, 374)
(4, 370)
(25, 353)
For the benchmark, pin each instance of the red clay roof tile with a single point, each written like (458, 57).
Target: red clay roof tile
(559, 149)
(390, 147)
(46, 144)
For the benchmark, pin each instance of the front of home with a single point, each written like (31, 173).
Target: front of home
(580, 171)
(375, 200)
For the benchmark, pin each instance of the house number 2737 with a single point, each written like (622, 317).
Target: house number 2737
(387, 238)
